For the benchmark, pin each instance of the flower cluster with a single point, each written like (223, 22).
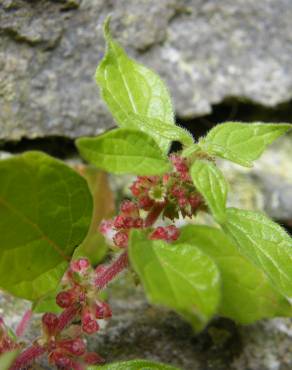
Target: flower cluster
(170, 195)
(117, 230)
(66, 348)
(62, 340)
(64, 335)
(81, 292)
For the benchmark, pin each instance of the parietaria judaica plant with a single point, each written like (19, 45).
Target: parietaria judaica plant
(196, 270)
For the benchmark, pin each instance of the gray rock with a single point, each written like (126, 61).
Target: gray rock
(205, 50)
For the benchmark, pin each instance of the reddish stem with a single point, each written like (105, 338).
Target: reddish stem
(154, 214)
(22, 326)
(112, 271)
(67, 316)
(28, 356)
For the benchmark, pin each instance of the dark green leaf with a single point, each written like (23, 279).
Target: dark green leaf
(45, 211)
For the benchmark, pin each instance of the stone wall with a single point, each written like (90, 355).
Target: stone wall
(206, 51)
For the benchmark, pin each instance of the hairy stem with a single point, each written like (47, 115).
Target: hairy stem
(28, 356)
(67, 316)
(154, 214)
(112, 271)
(22, 326)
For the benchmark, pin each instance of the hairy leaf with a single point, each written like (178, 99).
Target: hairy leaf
(134, 365)
(124, 151)
(265, 243)
(162, 132)
(210, 182)
(242, 143)
(180, 277)
(247, 294)
(128, 87)
(45, 211)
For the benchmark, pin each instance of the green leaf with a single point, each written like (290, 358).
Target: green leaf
(179, 277)
(247, 294)
(210, 182)
(45, 211)
(124, 151)
(134, 365)
(128, 87)
(162, 132)
(242, 143)
(47, 303)
(7, 359)
(265, 243)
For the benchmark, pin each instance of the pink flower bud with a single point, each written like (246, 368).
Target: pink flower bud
(119, 222)
(146, 203)
(172, 233)
(138, 223)
(168, 233)
(73, 346)
(102, 310)
(183, 202)
(60, 360)
(158, 233)
(129, 207)
(65, 299)
(50, 323)
(121, 239)
(80, 266)
(195, 201)
(89, 323)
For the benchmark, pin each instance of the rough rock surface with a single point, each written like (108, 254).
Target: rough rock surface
(206, 50)
(138, 330)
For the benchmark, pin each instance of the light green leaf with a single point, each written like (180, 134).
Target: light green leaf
(129, 87)
(163, 132)
(179, 277)
(247, 294)
(265, 243)
(45, 211)
(7, 359)
(242, 143)
(134, 365)
(210, 182)
(124, 151)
